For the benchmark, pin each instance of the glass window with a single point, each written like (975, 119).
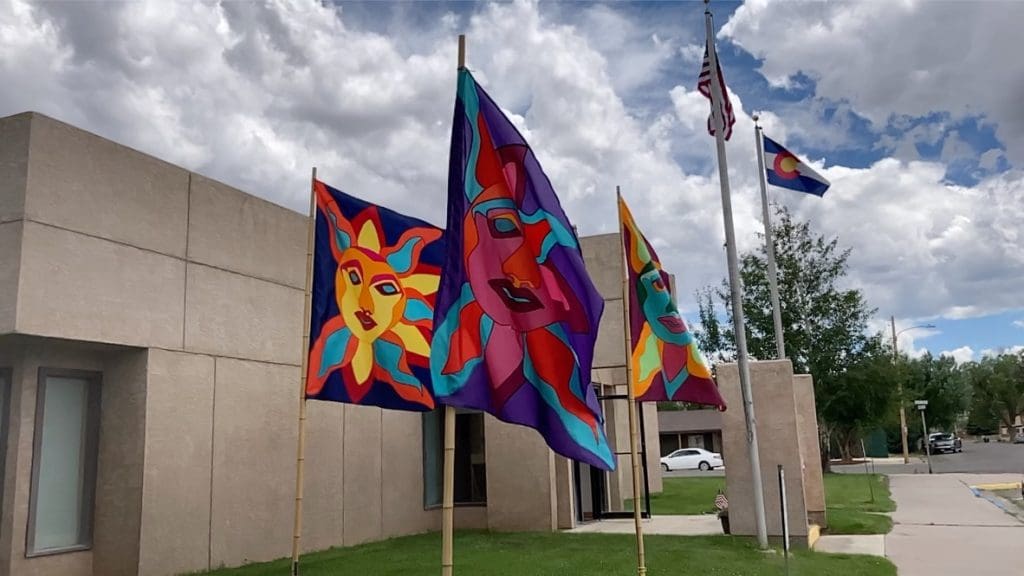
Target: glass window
(64, 462)
(470, 458)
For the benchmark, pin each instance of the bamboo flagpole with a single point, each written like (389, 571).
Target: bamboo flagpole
(735, 288)
(448, 497)
(300, 462)
(769, 244)
(641, 560)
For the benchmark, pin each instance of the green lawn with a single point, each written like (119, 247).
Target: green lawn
(685, 496)
(534, 554)
(847, 499)
(850, 506)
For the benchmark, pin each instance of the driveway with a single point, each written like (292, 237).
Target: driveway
(977, 457)
(941, 528)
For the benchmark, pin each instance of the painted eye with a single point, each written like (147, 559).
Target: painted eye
(504, 227)
(659, 285)
(387, 289)
(354, 278)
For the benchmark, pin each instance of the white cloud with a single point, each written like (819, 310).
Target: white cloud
(256, 94)
(1002, 350)
(910, 57)
(961, 355)
(1019, 323)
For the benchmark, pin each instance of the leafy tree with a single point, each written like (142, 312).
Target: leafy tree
(998, 388)
(825, 326)
(937, 380)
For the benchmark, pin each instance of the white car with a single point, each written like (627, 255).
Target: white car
(692, 459)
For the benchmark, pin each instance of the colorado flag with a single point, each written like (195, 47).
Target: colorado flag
(786, 170)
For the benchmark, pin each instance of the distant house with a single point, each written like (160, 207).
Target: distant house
(690, 429)
(1004, 432)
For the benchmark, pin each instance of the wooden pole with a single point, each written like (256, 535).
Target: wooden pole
(301, 452)
(641, 561)
(448, 498)
(448, 503)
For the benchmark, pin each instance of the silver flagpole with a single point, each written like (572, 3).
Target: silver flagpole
(773, 278)
(734, 286)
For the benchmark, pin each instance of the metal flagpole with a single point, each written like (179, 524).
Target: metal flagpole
(773, 279)
(448, 496)
(734, 285)
(300, 463)
(641, 561)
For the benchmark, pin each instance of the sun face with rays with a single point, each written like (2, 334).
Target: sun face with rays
(385, 297)
(373, 298)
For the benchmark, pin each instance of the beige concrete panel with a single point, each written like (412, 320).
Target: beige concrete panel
(610, 348)
(364, 491)
(520, 478)
(175, 534)
(403, 475)
(810, 447)
(652, 441)
(775, 410)
(37, 352)
(232, 315)
(466, 517)
(254, 438)
(565, 493)
(231, 229)
(83, 288)
(10, 262)
(119, 474)
(322, 504)
(89, 184)
(14, 142)
(602, 255)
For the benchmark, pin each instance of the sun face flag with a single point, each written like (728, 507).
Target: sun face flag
(517, 315)
(666, 362)
(704, 87)
(375, 278)
(786, 170)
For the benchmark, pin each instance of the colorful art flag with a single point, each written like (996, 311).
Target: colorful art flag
(375, 279)
(787, 171)
(666, 362)
(517, 315)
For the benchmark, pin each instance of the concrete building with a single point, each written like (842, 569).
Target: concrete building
(690, 429)
(150, 323)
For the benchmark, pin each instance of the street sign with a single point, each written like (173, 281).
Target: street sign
(921, 404)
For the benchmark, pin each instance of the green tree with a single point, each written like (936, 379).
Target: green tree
(997, 384)
(825, 325)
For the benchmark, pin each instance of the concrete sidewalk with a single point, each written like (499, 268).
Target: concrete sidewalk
(703, 525)
(942, 528)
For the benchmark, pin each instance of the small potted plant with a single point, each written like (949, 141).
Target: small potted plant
(722, 504)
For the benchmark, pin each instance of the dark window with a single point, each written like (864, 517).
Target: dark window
(63, 462)
(470, 458)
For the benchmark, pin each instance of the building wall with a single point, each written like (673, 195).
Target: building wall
(120, 248)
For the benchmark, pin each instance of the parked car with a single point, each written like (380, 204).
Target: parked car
(944, 442)
(1019, 438)
(692, 459)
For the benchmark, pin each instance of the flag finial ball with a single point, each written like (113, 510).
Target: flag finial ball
(755, 117)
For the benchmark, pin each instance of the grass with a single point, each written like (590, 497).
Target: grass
(685, 496)
(547, 554)
(850, 507)
(848, 500)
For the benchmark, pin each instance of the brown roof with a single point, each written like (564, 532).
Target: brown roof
(689, 420)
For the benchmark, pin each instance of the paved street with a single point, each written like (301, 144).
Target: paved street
(941, 528)
(977, 457)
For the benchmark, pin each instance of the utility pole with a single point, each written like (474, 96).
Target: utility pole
(899, 392)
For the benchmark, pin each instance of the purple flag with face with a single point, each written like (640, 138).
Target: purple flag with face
(517, 315)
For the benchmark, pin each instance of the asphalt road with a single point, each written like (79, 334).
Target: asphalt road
(977, 458)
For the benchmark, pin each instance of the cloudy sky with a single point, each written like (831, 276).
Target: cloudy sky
(912, 109)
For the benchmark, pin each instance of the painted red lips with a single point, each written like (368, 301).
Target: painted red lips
(516, 298)
(674, 323)
(366, 319)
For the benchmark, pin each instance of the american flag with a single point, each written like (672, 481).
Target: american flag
(721, 502)
(704, 87)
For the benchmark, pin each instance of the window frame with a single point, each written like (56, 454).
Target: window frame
(94, 381)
